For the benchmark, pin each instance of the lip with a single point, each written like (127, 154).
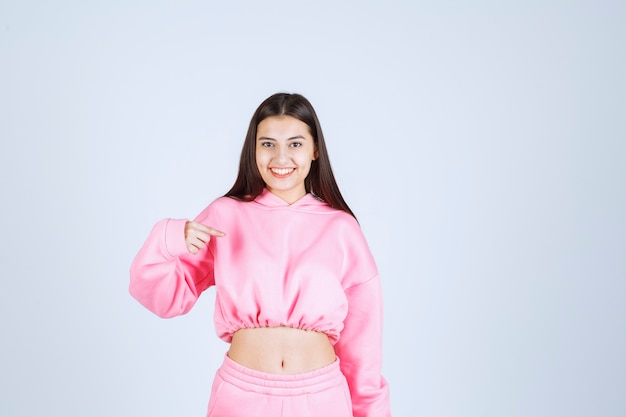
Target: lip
(282, 172)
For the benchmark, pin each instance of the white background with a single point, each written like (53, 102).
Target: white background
(481, 145)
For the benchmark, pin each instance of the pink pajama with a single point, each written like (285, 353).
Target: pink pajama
(243, 392)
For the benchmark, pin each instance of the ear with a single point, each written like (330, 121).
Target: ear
(316, 154)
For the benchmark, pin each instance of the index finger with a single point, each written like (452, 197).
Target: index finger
(215, 232)
(210, 230)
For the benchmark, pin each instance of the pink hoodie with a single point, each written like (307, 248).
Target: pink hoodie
(304, 265)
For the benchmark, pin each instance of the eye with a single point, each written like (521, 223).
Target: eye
(267, 144)
(295, 144)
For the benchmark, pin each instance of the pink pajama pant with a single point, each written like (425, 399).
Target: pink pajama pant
(243, 392)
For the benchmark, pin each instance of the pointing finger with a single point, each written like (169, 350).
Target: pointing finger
(207, 229)
(215, 232)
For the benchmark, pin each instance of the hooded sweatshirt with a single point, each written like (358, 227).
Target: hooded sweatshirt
(303, 265)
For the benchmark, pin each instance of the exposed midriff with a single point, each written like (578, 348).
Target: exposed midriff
(281, 350)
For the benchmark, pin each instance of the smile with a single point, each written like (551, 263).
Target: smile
(282, 172)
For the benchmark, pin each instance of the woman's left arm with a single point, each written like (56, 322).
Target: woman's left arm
(359, 349)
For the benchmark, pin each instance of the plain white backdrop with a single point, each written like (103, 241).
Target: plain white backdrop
(481, 144)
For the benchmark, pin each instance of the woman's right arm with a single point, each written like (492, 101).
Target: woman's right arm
(165, 276)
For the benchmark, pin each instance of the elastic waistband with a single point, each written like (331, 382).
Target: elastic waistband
(281, 384)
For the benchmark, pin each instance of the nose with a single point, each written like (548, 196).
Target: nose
(282, 156)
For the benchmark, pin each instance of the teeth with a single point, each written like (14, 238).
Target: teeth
(282, 171)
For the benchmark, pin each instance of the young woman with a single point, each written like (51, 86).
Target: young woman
(298, 293)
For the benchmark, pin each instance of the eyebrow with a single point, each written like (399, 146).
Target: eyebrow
(291, 138)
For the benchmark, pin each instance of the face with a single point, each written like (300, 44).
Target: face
(284, 152)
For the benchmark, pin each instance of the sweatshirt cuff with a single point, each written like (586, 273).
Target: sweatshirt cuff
(175, 237)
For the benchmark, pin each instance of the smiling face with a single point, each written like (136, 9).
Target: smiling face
(285, 150)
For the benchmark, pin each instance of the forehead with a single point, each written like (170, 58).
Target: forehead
(282, 127)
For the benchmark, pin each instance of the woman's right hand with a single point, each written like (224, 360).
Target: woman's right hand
(198, 235)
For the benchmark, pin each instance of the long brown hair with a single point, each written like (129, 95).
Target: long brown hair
(320, 181)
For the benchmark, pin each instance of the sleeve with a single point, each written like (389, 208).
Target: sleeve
(164, 277)
(359, 349)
